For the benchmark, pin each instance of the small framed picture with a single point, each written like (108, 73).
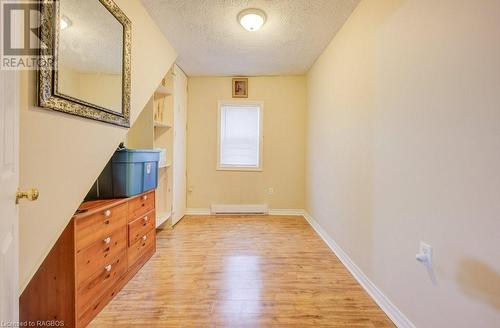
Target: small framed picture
(240, 88)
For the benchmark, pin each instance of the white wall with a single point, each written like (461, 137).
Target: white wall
(100, 89)
(284, 99)
(404, 145)
(62, 155)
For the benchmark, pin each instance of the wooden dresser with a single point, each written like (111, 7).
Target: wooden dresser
(101, 249)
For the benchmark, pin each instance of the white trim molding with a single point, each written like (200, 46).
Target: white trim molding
(239, 209)
(276, 211)
(286, 211)
(399, 319)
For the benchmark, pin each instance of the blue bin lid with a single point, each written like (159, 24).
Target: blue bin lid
(136, 155)
(128, 150)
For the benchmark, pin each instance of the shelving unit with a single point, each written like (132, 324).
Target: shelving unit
(161, 166)
(162, 217)
(153, 130)
(165, 90)
(161, 125)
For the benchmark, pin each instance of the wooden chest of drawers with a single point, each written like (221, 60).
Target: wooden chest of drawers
(101, 249)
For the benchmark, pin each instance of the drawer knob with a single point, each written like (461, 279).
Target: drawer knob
(108, 267)
(107, 240)
(145, 219)
(107, 213)
(144, 237)
(145, 197)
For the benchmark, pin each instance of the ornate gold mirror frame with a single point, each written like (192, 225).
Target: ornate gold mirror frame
(47, 87)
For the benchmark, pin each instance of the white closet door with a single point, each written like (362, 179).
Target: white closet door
(9, 181)
(179, 161)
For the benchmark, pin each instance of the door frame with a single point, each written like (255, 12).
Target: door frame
(179, 145)
(9, 176)
(10, 91)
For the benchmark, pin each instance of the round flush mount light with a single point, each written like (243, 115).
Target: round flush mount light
(65, 22)
(252, 19)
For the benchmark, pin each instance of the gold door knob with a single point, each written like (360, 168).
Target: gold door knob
(31, 195)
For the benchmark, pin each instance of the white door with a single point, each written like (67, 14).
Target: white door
(9, 181)
(179, 161)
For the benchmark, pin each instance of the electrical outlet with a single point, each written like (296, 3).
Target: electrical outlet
(425, 254)
(270, 191)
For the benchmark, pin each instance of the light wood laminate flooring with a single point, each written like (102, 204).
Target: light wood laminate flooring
(242, 271)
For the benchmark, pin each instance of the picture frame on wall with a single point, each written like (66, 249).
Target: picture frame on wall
(240, 87)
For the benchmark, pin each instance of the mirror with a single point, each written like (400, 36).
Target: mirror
(90, 54)
(91, 60)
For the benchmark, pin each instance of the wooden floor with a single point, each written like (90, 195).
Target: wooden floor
(259, 271)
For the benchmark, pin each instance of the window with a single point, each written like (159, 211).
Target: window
(240, 136)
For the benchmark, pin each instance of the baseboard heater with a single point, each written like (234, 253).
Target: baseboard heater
(239, 209)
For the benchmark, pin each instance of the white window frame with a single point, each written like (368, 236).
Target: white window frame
(222, 103)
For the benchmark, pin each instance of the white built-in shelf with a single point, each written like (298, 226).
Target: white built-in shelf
(162, 217)
(162, 125)
(162, 91)
(162, 165)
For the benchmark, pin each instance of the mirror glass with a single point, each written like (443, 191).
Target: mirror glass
(90, 54)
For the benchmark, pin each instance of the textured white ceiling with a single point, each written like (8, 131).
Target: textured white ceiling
(210, 41)
(93, 43)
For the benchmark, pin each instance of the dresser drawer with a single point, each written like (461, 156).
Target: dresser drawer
(97, 304)
(141, 205)
(98, 226)
(146, 244)
(140, 227)
(95, 257)
(100, 282)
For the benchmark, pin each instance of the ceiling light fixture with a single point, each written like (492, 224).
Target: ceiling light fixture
(252, 19)
(65, 23)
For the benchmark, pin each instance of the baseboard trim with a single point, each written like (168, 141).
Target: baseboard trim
(197, 211)
(286, 211)
(282, 211)
(242, 209)
(399, 319)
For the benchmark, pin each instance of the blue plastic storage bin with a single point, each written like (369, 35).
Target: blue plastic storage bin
(129, 172)
(134, 171)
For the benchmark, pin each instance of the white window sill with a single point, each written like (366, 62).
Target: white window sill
(240, 168)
